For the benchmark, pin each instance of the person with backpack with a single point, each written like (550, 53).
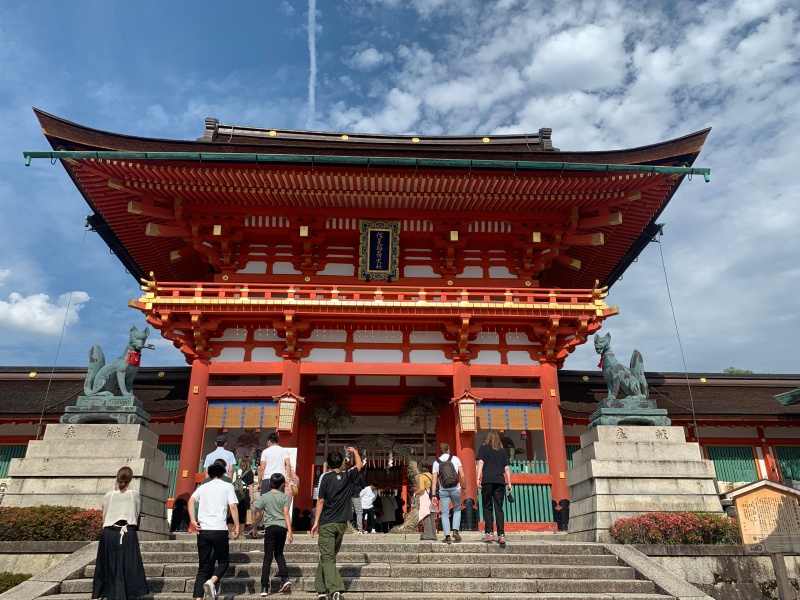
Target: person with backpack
(449, 474)
(243, 487)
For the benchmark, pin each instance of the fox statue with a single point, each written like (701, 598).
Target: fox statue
(630, 382)
(102, 379)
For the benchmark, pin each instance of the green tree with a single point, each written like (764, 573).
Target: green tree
(328, 412)
(421, 410)
(735, 371)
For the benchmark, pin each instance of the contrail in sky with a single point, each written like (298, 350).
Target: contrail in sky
(312, 52)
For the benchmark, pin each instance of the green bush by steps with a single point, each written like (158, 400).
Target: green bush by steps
(676, 529)
(49, 524)
(9, 580)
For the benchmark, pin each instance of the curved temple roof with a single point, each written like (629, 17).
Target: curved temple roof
(282, 172)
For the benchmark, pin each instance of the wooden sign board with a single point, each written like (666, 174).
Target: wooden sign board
(769, 520)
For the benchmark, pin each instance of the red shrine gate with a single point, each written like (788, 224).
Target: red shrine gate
(287, 263)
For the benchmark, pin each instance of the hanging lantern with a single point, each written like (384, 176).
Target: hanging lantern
(466, 404)
(287, 408)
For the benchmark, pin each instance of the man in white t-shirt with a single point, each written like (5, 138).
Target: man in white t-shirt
(220, 452)
(274, 459)
(451, 480)
(216, 498)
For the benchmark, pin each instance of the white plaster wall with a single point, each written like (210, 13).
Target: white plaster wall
(254, 266)
(422, 271)
(265, 355)
(232, 335)
(167, 428)
(377, 356)
(487, 337)
(378, 337)
(518, 338)
(727, 432)
(370, 380)
(516, 357)
(339, 269)
(328, 335)
(326, 355)
(471, 273)
(19, 428)
(230, 355)
(284, 268)
(500, 273)
(331, 380)
(487, 357)
(427, 337)
(424, 381)
(265, 335)
(782, 432)
(428, 356)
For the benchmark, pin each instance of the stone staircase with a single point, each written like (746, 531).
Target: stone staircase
(394, 567)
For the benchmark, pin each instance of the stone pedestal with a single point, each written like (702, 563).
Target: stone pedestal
(123, 410)
(629, 470)
(76, 465)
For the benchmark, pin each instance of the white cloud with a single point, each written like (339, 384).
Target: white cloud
(369, 59)
(589, 58)
(36, 314)
(4, 274)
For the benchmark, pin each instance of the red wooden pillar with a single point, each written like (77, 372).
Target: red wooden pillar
(554, 431)
(465, 441)
(291, 381)
(769, 461)
(306, 454)
(193, 429)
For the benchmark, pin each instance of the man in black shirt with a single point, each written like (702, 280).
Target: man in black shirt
(334, 509)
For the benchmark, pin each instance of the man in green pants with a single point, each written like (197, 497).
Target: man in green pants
(334, 511)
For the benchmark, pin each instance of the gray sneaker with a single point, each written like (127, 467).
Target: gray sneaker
(209, 591)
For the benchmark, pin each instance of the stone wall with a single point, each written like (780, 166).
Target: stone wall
(724, 572)
(34, 557)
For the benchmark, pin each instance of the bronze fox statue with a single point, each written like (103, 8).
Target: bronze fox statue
(630, 382)
(102, 379)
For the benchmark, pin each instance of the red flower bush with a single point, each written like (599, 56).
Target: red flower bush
(676, 528)
(50, 524)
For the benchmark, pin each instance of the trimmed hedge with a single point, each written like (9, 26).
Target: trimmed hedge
(677, 529)
(9, 580)
(50, 524)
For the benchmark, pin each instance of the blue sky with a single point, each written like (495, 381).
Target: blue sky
(603, 75)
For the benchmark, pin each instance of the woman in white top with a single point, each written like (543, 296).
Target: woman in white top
(119, 572)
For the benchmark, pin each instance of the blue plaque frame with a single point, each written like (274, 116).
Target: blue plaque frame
(379, 249)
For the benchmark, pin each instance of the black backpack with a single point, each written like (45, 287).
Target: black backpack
(448, 474)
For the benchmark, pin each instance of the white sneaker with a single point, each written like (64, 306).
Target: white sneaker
(209, 591)
(373, 531)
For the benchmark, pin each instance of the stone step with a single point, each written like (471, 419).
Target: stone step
(242, 585)
(403, 596)
(462, 571)
(308, 544)
(348, 556)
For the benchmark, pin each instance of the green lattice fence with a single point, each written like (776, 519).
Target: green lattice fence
(571, 449)
(789, 462)
(533, 504)
(733, 463)
(173, 452)
(534, 467)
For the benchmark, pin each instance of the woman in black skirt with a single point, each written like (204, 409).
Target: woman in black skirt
(119, 572)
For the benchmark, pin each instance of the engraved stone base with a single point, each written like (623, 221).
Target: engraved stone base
(121, 410)
(76, 465)
(629, 470)
(623, 416)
